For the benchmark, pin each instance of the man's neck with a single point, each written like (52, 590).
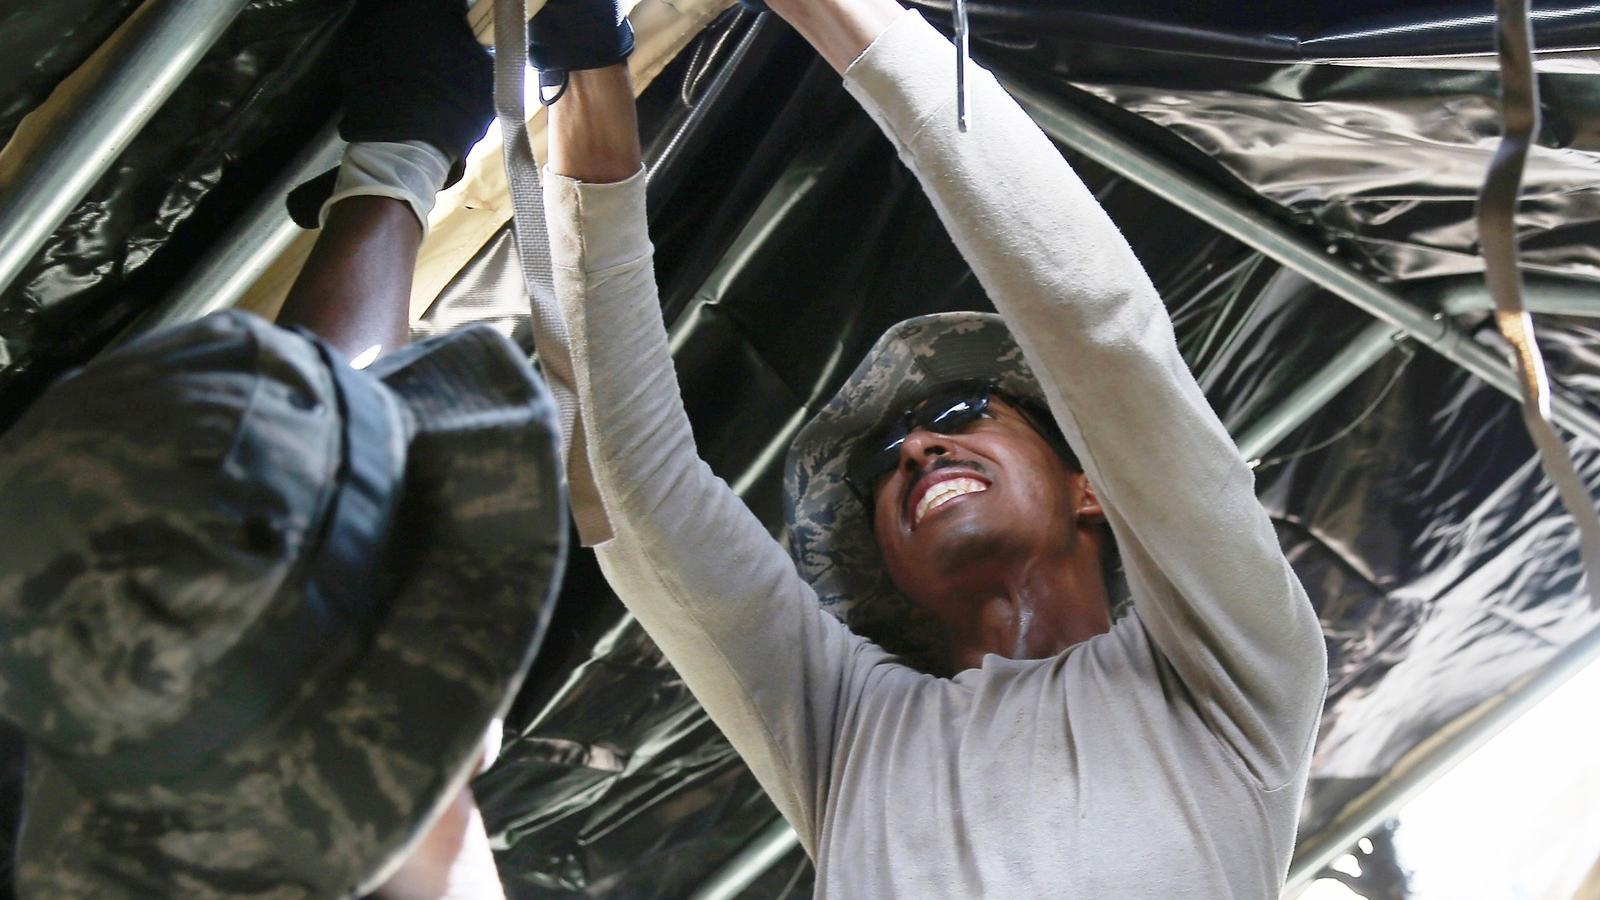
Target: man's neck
(1033, 609)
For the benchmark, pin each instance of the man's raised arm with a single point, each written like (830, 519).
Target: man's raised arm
(700, 572)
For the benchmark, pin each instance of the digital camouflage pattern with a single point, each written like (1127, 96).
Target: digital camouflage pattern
(159, 501)
(830, 534)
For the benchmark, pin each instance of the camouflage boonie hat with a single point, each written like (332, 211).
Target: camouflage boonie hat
(830, 534)
(258, 609)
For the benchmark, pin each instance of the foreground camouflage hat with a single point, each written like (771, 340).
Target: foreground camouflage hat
(258, 609)
(830, 535)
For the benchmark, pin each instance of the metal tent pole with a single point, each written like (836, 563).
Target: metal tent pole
(761, 854)
(1233, 218)
(1459, 296)
(165, 45)
(1361, 354)
(247, 249)
(1542, 294)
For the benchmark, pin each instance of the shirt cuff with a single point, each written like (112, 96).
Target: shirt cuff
(594, 227)
(906, 76)
(408, 171)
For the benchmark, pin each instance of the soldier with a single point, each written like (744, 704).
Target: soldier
(1037, 749)
(260, 611)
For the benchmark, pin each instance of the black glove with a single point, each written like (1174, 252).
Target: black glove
(410, 70)
(568, 35)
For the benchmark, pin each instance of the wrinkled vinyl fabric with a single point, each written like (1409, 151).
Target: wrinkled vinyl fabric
(1385, 164)
(253, 100)
(1382, 161)
(1441, 564)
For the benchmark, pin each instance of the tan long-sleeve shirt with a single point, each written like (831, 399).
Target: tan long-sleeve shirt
(1166, 758)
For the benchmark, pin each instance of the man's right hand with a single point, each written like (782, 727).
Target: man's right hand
(576, 35)
(410, 71)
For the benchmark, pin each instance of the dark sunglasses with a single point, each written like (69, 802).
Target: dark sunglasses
(950, 409)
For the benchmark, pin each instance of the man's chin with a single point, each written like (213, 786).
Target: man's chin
(958, 542)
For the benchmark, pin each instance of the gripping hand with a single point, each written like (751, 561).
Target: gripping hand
(568, 35)
(412, 73)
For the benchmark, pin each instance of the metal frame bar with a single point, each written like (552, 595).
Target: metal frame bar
(762, 853)
(1541, 294)
(165, 45)
(1362, 353)
(247, 249)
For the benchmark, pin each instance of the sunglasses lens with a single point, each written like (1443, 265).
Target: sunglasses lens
(952, 408)
(946, 411)
(951, 414)
(876, 458)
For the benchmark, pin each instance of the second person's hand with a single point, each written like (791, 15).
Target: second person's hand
(568, 36)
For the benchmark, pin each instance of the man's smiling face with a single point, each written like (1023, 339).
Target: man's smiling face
(959, 508)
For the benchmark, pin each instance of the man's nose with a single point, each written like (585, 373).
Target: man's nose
(921, 447)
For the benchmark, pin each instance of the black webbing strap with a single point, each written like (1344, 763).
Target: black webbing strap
(1497, 207)
(550, 339)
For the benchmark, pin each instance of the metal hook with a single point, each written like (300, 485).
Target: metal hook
(961, 64)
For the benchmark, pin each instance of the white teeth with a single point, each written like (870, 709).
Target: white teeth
(943, 493)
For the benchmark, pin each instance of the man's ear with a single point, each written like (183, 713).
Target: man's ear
(1089, 508)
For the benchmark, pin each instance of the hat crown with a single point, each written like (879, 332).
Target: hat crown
(153, 503)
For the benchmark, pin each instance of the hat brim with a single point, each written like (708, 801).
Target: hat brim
(328, 800)
(830, 534)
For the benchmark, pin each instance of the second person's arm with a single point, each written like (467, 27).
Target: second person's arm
(705, 579)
